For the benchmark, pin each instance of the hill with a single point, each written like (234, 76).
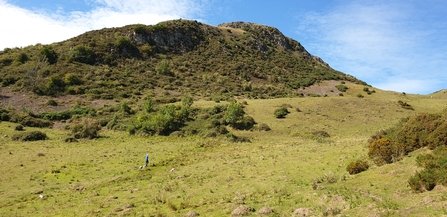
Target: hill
(171, 58)
(238, 120)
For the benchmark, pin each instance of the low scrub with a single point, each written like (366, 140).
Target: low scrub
(87, 128)
(435, 165)
(29, 136)
(357, 166)
(67, 114)
(281, 112)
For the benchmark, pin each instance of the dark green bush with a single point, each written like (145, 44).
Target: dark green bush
(246, 123)
(72, 79)
(48, 52)
(22, 58)
(281, 112)
(4, 115)
(34, 122)
(124, 43)
(434, 172)
(18, 128)
(55, 85)
(29, 136)
(341, 88)
(357, 166)
(83, 54)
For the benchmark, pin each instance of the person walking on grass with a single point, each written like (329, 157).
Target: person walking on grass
(147, 160)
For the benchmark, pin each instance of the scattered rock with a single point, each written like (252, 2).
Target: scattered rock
(242, 210)
(128, 206)
(302, 212)
(112, 197)
(192, 213)
(265, 211)
(118, 209)
(37, 192)
(427, 200)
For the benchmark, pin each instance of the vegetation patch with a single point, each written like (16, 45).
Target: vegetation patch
(29, 136)
(357, 166)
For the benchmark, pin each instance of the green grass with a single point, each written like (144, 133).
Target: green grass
(284, 169)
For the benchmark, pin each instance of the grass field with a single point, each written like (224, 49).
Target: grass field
(288, 170)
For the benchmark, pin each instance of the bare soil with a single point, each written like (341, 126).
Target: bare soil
(37, 104)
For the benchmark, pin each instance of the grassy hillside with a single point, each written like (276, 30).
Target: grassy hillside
(287, 171)
(173, 57)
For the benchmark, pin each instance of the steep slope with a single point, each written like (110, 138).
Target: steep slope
(171, 58)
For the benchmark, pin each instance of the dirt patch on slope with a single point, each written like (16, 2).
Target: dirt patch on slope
(38, 104)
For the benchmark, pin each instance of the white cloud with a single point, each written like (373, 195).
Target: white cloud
(378, 40)
(28, 27)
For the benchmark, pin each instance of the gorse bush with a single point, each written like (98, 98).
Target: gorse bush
(357, 166)
(385, 151)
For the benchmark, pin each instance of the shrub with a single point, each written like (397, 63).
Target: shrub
(360, 95)
(262, 127)
(281, 112)
(435, 165)
(163, 67)
(4, 115)
(55, 85)
(246, 123)
(72, 79)
(140, 29)
(123, 43)
(86, 128)
(18, 128)
(357, 166)
(341, 88)
(234, 113)
(34, 122)
(405, 105)
(321, 134)
(22, 58)
(29, 136)
(48, 52)
(385, 151)
(83, 54)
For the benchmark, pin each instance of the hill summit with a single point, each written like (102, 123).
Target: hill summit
(170, 58)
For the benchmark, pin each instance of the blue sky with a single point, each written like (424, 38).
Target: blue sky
(390, 44)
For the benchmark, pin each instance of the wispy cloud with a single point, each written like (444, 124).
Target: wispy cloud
(28, 27)
(395, 46)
